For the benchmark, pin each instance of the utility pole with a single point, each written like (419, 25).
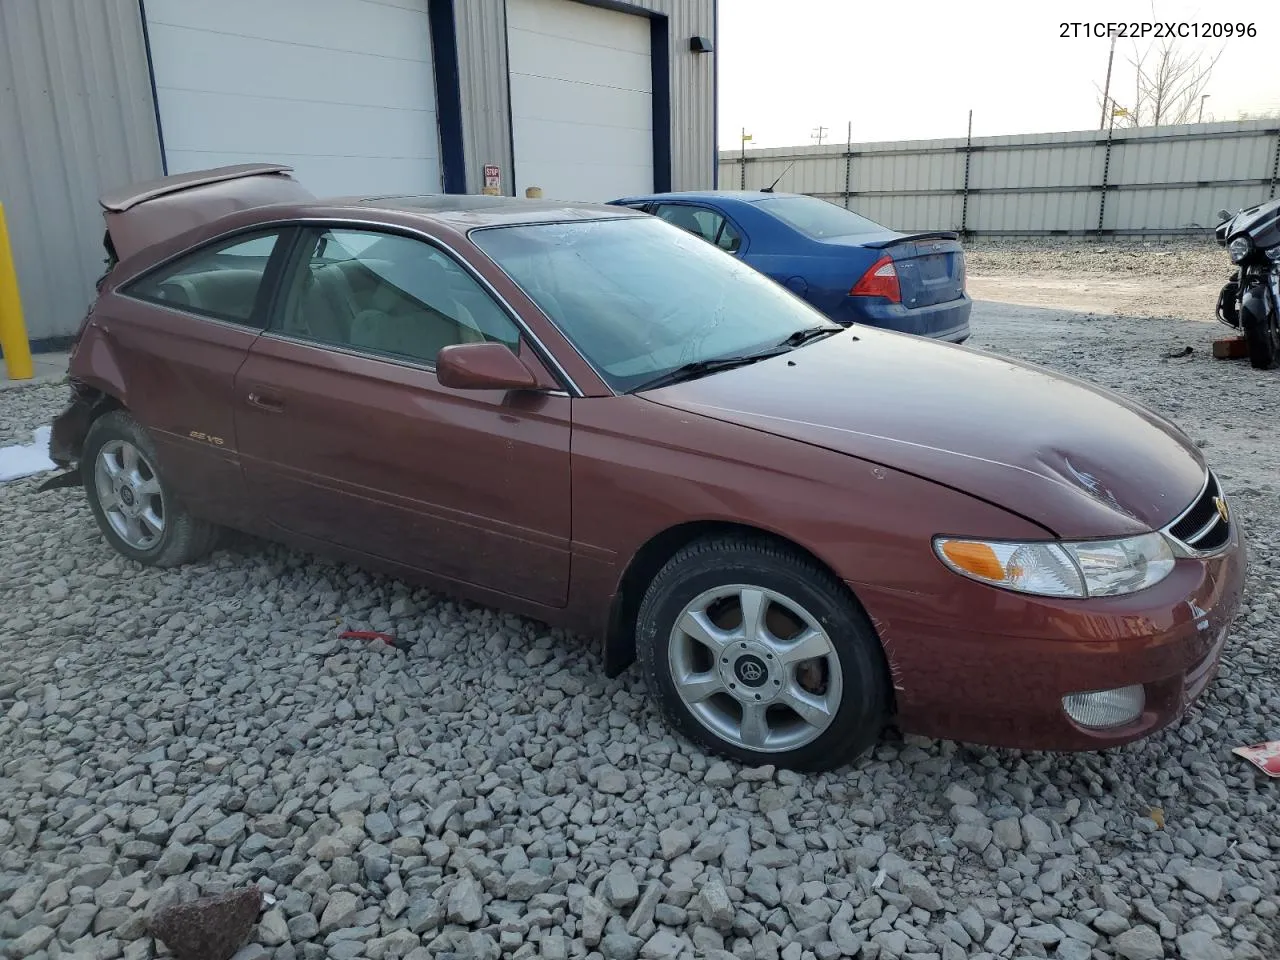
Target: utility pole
(742, 174)
(818, 133)
(1106, 90)
(1203, 98)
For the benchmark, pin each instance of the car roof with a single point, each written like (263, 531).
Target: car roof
(140, 215)
(742, 196)
(468, 211)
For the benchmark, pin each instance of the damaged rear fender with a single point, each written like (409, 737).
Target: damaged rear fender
(97, 385)
(71, 426)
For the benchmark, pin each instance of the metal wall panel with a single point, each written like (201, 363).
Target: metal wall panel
(693, 91)
(481, 27)
(76, 119)
(482, 52)
(1162, 180)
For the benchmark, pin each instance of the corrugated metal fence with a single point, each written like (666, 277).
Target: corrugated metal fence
(1146, 181)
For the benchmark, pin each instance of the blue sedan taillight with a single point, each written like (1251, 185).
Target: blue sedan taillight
(880, 280)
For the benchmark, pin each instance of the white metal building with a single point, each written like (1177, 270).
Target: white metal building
(584, 99)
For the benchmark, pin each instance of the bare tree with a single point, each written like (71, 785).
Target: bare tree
(1168, 80)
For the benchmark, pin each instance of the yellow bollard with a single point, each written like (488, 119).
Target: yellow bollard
(13, 332)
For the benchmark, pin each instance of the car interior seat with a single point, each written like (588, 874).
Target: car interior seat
(686, 219)
(228, 292)
(409, 309)
(322, 305)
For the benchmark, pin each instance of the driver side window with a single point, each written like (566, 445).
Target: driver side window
(388, 294)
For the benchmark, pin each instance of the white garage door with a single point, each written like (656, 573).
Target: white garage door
(581, 100)
(341, 90)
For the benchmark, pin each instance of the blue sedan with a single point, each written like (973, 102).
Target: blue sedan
(852, 269)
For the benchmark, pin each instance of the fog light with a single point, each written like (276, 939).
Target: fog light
(1105, 708)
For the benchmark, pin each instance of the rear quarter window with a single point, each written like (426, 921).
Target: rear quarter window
(221, 281)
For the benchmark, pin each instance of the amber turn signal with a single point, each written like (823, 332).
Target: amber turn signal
(975, 558)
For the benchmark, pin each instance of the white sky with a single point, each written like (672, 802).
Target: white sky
(912, 69)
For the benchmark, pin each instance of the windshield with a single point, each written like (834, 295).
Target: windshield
(639, 297)
(817, 218)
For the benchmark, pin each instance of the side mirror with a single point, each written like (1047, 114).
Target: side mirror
(1224, 215)
(482, 366)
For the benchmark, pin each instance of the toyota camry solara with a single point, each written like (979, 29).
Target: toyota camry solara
(588, 416)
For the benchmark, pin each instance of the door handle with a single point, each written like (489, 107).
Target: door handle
(263, 402)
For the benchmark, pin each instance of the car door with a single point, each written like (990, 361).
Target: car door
(711, 225)
(178, 334)
(348, 438)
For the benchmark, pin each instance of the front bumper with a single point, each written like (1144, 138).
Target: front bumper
(992, 666)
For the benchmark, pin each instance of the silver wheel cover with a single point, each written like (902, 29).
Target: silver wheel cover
(755, 668)
(129, 494)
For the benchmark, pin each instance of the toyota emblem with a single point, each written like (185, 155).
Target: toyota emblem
(751, 671)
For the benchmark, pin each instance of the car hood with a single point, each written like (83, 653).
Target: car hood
(1079, 460)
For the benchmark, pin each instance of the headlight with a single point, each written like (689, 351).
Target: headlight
(1239, 248)
(1274, 253)
(1085, 568)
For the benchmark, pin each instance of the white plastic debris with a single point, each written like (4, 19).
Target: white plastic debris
(27, 460)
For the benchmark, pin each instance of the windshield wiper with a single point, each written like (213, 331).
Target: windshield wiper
(699, 368)
(806, 334)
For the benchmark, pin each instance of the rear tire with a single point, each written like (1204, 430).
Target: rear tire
(756, 652)
(135, 507)
(1263, 338)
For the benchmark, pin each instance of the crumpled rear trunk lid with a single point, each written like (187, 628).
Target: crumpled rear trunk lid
(143, 214)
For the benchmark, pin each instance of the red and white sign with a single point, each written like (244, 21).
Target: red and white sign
(492, 176)
(1264, 756)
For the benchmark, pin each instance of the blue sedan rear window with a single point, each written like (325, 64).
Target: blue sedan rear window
(817, 218)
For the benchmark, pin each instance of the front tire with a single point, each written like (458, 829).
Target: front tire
(135, 507)
(757, 653)
(1263, 337)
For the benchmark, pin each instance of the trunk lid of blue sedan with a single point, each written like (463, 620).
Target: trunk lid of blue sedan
(930, 266)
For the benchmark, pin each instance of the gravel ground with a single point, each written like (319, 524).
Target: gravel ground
(1177, 279)
(1198, 258)
(173, 733)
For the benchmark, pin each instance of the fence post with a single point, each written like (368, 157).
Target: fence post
(849, 160)
(1106, 172)
(1275, 165)
(964, 204)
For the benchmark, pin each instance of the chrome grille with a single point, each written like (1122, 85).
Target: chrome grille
(1202, 528)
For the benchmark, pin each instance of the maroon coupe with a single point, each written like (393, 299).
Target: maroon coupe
(588, 416)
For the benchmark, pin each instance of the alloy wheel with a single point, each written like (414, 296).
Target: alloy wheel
(755, 668)
(129, 494)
